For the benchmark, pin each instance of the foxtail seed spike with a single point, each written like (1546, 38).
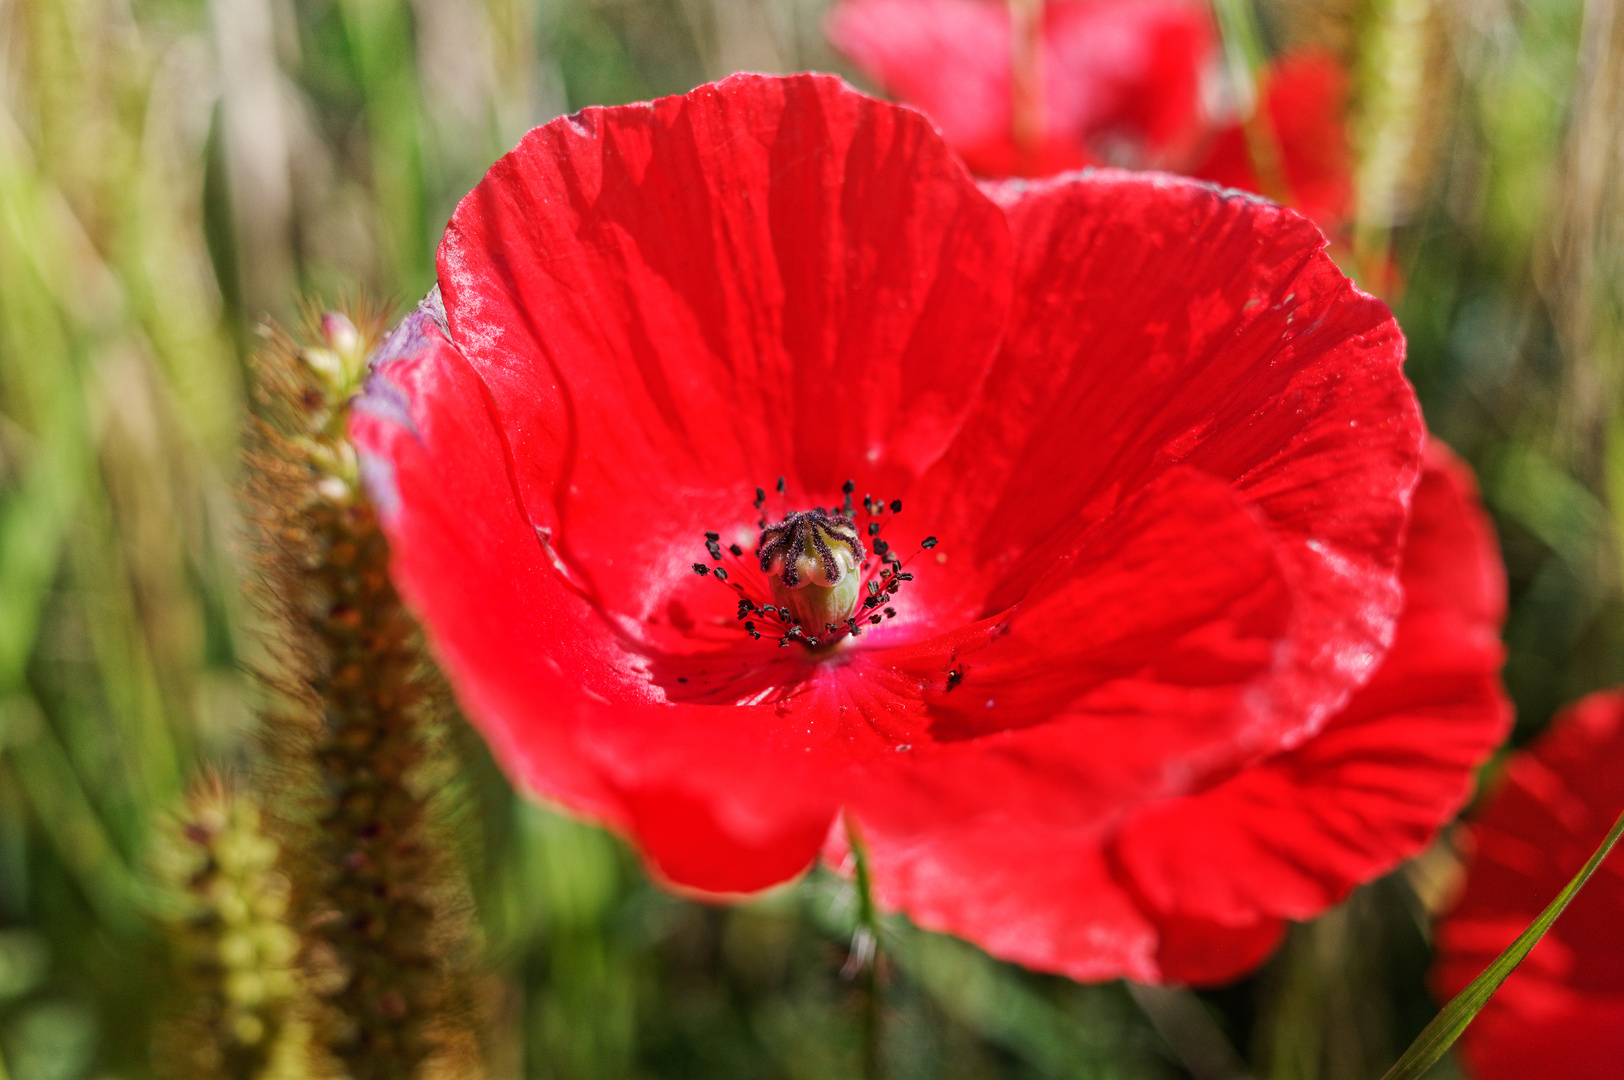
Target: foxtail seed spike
(377, 901)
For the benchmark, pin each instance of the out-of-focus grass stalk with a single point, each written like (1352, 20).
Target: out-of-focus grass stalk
(256, 233)
(87, 237)
(1390, 102)
(38, 380)
(44, 348)
(863, 963)
(118, 405)
(1244, 54)
(1583, 275)
(1026, 63)
(1245, 61)
(379, 34)
(1196, 1040)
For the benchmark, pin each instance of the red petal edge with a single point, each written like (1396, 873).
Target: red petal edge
(1196, 888)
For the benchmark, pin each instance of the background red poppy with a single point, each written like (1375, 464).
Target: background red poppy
(1304, 97)
(1122, 79)
(1561, 1013)
(1122, 84)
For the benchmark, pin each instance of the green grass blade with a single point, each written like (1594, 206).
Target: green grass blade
(1440, 1035)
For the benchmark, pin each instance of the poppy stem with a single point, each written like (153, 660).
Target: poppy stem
(1026, 67)
(1247, 61)
(862, 965)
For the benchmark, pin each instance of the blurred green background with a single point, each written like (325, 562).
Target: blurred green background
(173, 171)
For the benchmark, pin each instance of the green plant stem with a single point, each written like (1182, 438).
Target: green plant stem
(863, 965)
(1438, 1036)
(1026, 66)
(1245, 58)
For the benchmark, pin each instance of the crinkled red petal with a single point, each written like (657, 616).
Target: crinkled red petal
(1158, 323)
(1128, 669)
(713, 796)
(674, 303)
(1195, 888)
(1293, 834)
(1169, 515)
(1561, 1013)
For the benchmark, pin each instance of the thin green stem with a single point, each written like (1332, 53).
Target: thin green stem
(1244, 54)
(862, 966)
(1026, 66)
(1245, 57)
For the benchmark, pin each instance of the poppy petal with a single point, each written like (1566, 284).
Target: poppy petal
(673, 303)
(1159, 322)
(950, 58)
(1121, 78)
(999, 835)
(1292, 835)
(1124, 76)
(716, 803)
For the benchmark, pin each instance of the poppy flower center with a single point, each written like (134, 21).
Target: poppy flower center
(819, 581)
(811, 560)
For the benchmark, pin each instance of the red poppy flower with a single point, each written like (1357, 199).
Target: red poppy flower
(1121, 78)
(760, 472)
(1561, 1013)
(1304, 96)
(1122, 83)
